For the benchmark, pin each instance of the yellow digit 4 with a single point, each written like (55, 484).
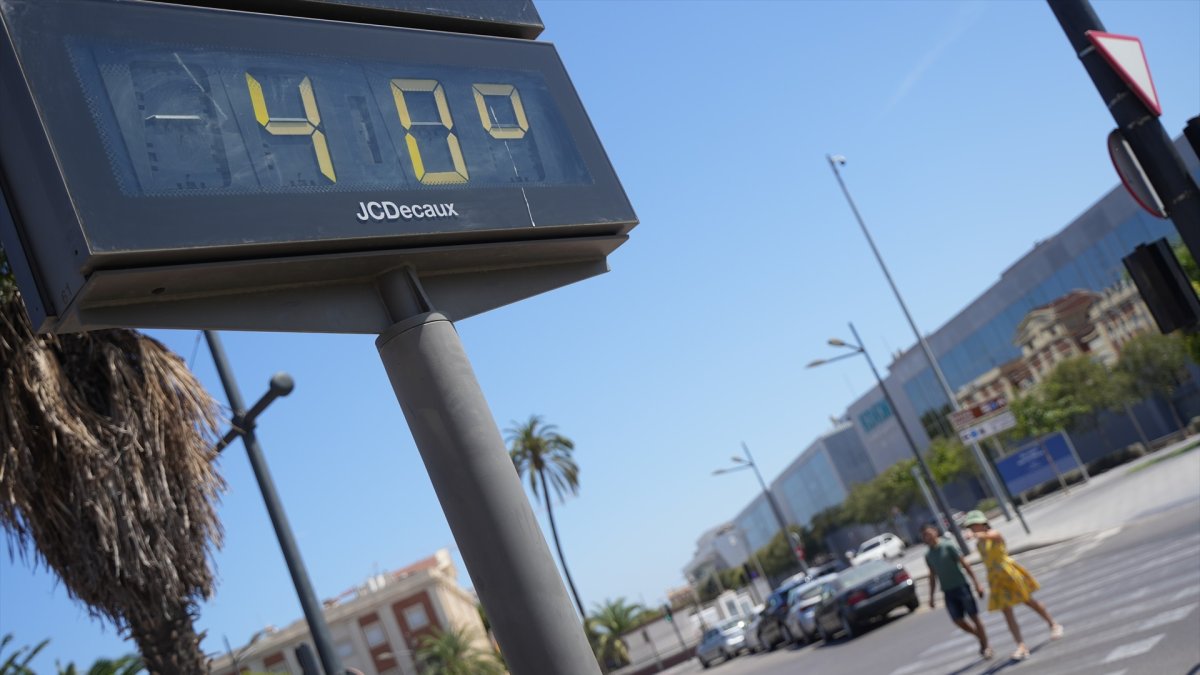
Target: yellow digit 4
(459, 174)
(493, 126)
(294, 126)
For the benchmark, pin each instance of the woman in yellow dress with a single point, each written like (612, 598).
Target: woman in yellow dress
(1009, 583)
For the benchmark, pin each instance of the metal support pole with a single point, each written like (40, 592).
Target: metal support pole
(1075, 455)
(1004, 486)
(943, 508)
(992, 480)
(283, 531)
(675, 625)
(937, 515)
(1138, 124)
(479, 491)
(787, 540)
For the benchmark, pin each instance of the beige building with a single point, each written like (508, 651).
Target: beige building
(1118, 316)
(376, 628)
(1055, 332)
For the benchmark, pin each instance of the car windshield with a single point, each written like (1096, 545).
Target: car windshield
(857, 575)
(868, 546)
(711, 633)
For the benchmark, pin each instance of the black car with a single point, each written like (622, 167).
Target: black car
(861, 594)
(772, 624)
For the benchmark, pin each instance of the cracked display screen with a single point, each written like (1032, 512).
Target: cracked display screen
(213, 121)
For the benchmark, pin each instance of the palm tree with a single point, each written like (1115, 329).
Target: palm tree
(609, 622)
(538, 450)
(454, 652)
(126, 665)
(107, 477)
(18, 662)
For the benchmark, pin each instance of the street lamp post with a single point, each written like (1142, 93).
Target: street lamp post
(748, 463)
(737, 536)
(984, 465)
(857, 349)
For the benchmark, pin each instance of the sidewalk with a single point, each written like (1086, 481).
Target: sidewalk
(1110, 500)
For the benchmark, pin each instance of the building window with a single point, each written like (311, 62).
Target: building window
(415, 617)
(375, 635)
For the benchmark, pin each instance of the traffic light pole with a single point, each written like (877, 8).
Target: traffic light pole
(480, 493)
(1138, 124)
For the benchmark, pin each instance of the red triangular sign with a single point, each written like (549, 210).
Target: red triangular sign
(1125, 54)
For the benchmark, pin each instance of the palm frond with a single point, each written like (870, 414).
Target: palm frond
(107, 477)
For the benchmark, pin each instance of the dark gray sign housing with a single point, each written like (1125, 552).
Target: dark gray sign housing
(184, 167)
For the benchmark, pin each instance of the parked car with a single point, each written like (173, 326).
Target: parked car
(883, 547)
(861, 594)
(772, 627)
(752, 644)
(722, 642)
(802, 607)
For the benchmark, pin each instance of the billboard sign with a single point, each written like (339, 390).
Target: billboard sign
(155, 154)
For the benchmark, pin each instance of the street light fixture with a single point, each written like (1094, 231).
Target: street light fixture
(938, 497)
(748, 463)
(985, 466)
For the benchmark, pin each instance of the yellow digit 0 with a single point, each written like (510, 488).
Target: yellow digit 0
(292, 126)
(459, 174)
(489, 122)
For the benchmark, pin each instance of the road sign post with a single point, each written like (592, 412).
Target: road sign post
(1129, 95)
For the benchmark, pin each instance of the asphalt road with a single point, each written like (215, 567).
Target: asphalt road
(1129, 598)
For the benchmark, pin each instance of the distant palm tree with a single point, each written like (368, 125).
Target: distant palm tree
(454, 652)
(18, 662)
(107, 477)
(538, 450)
(609, 622)
(126, 665)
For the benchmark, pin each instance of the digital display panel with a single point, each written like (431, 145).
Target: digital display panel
(191, 134)
(217, 122)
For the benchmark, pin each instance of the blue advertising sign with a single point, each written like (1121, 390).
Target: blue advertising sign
(1028, 467)
(874, 416)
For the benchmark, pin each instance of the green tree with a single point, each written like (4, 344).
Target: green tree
(610, 621)
(107, 477)
(539, 451)
(455, 652)
(17, 663)
(1154, 364)
(949, 459)
(1080, 388)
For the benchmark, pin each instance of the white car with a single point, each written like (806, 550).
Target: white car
(884, 547)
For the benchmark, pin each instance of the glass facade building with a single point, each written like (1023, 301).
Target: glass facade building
(1069, 296)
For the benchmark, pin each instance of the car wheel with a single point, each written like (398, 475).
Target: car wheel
(848, 627)
(912, 606)
(704, 663)
(825, 636)
(785, 635)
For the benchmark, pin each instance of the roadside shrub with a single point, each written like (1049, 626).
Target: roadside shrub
(1114, 459)
(987, 505)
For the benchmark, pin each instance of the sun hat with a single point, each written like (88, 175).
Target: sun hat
(974, 518)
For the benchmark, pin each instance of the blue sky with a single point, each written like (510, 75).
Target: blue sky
(971, 131)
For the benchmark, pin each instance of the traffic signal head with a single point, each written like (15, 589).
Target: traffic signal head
(1163, 286)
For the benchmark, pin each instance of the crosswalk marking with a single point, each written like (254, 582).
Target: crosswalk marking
(1134, 648)
(1084, 548)
(1186, 593)
(1165, 618)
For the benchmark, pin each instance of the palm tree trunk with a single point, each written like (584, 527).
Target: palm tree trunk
(167, 640)
(558, 545)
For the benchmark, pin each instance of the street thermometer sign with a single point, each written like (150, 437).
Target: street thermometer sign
(177, 166)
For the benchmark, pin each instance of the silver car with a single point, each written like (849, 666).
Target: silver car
(722, 642)
(802, 604)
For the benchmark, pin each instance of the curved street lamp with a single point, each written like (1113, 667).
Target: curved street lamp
(748, 463)
(939, 498)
